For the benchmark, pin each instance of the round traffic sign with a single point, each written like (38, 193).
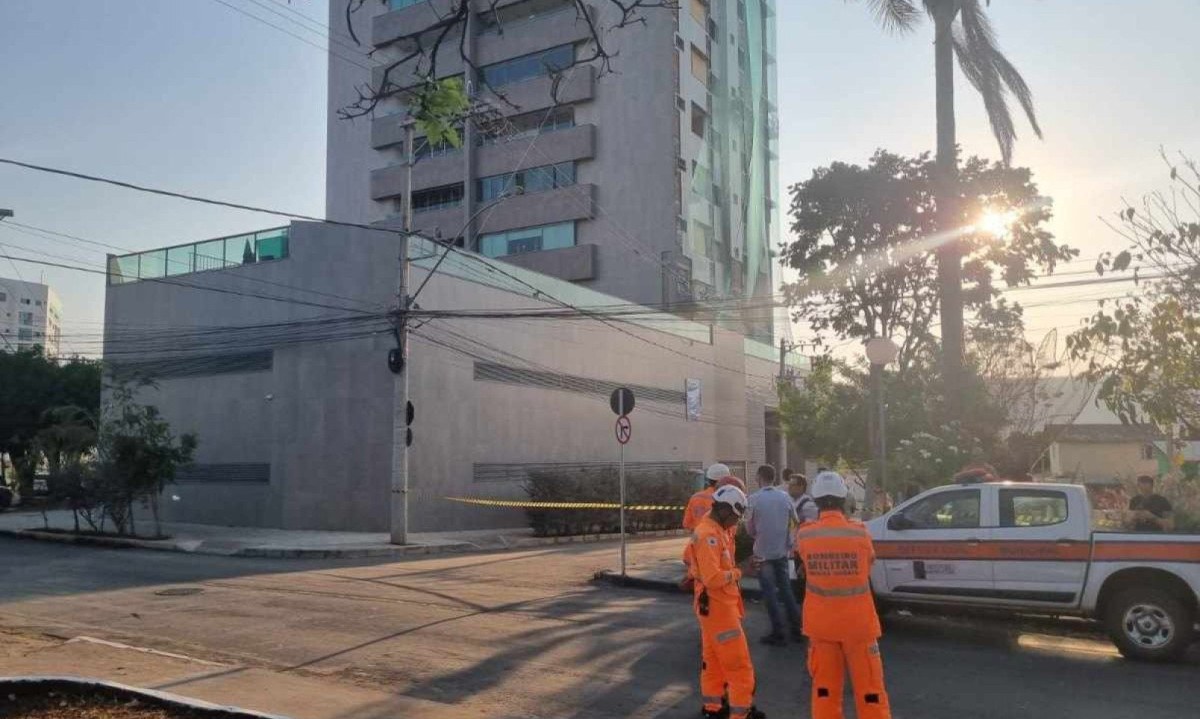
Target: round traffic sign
(624, 429)
(621, 401)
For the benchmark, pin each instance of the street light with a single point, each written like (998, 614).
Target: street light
(881, 352)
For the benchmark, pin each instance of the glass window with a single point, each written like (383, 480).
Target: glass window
(37, 303)
(699, 120)
(181, 260)
(422, 148)
(437, 198)
(122, 269)
(401, 4)
(946, 510)
(3, 297)
(25, 318)
(495, 19)
(699, 66)
(699, 11)
(24, 335)
(529, 124)
(1032, 507)
(272, 245)
(210, 255)
(240, 250)
(529, 239)
(528, 66)
(24, 300)
(528, 181)
(152, 264)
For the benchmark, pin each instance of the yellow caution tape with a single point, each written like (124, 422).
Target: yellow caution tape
(565, 505)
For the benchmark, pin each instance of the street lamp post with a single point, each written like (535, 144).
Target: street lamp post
(881, 352)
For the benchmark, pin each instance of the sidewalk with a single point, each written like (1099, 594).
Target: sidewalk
(293, 544)
(290, 694)
(665, 576)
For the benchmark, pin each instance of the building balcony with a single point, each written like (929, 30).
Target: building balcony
(573, 264)
(530, 36)
(577, 202)
(578, 85)
(395, 24)
(573, 143)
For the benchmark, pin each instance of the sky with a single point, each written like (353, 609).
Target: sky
(198, 97)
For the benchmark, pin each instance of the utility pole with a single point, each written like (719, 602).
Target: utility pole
(400, 430)
(401, 417)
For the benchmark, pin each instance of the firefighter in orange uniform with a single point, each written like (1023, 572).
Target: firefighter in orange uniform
(725, 662)
(840, 620)
(701, 502)
(697, 507)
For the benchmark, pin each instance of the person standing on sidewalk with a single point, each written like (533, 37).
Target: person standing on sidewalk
(839, 609)
(725, 664)
(697, 509)
(770, 521)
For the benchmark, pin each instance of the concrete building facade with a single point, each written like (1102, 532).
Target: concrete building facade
(654, 184)
(30, 315)
(273, 351)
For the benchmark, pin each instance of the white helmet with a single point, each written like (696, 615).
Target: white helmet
(828, 484)
(732, 496)
(717, 471)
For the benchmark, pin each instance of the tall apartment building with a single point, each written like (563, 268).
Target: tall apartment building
(30, 314)
(655, 183)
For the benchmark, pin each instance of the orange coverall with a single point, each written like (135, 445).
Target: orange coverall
(839, 617)
(725, 663)
(697, 507)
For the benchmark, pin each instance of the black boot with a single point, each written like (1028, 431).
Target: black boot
(755, 713)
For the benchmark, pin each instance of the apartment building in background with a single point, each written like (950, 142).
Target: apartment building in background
(30, 314)
(654, 184)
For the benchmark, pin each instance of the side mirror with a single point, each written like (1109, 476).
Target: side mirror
(899, 522)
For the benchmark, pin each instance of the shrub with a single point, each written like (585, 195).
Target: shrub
(602, 485)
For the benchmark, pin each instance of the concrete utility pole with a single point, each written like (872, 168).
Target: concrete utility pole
(400, 402)
(400, 429)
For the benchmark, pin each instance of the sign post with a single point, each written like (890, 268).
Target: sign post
(622, 403)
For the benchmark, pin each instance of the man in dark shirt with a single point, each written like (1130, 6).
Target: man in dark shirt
(1151, 512)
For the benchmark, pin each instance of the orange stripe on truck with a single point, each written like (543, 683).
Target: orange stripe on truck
(1044, 551)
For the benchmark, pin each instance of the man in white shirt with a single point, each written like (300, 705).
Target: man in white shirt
(806, 508)
(771, 520)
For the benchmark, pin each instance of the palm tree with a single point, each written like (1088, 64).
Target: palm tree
(961, 29)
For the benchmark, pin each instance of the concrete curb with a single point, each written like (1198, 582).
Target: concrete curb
(191, 547)
(658, 585)
(66, 538)
(22, 684)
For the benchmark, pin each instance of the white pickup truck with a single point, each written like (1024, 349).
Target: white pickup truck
(1030, 548)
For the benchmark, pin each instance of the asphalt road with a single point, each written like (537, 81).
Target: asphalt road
(526, 634)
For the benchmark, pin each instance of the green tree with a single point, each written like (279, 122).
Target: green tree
(31, 386)
(861, 244)
(962, 30)
(1144, 348)
(138, 457)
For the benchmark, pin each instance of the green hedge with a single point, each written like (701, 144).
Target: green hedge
(664, 487)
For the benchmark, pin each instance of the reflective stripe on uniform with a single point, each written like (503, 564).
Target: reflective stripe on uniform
(838, 591)
(728, 634)
(830, 532)
(711, 699)
(738, 711)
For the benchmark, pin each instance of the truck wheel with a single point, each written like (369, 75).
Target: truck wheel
(1149, 624)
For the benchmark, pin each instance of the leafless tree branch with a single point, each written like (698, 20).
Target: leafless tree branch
(423, 46)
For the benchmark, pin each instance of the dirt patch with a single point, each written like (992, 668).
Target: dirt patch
(57, 705)
(56, 699)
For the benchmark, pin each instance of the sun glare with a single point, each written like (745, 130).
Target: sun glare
(996, 223)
